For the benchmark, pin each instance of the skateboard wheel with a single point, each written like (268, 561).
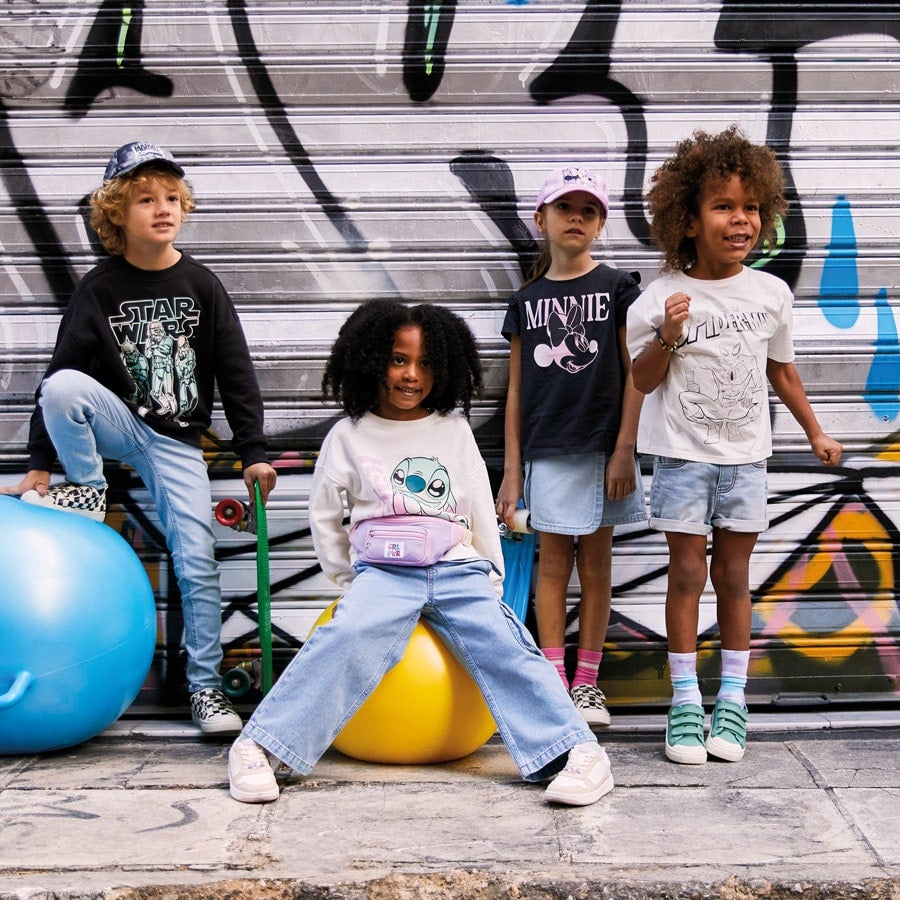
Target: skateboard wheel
(236, 682)
(522, 521)
(231, 513)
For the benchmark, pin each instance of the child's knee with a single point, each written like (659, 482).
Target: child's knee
(730, 579)
(557, 554)
(60, 388)
(687, 574)
(55, 389)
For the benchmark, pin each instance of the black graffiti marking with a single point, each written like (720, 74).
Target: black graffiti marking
(111, 57)
(582, 67)
(428, 28)
(276, 114)
(242, 604)
(789, 262)
(490, 184)
(54, 811)
(770, 26)
(188, 817)
(17, 181)
(777, 31)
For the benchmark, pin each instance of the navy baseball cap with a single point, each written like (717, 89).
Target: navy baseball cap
(139, 153)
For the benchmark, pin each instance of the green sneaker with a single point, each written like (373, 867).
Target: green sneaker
(728, 733)
(684, 735)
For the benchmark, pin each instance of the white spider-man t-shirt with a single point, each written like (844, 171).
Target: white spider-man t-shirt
(712, 405)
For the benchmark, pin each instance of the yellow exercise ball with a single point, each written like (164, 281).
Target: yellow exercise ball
(427, 709)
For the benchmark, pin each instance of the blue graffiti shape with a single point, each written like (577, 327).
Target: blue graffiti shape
(582, 68)
(883, 384)
(840, 304)
(112, 58)
(428, 27)
(839, 286)
(490, 184)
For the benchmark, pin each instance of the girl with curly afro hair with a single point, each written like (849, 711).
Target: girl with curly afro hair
(423, 542)
(704, 338)
(355, 374)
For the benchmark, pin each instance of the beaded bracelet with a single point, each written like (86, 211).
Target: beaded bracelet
(669, 348)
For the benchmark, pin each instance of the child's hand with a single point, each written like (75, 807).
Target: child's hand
(677, 310)
(265, 475)
(620, 475)
(508, 499)
(34, 480)
(827, 449)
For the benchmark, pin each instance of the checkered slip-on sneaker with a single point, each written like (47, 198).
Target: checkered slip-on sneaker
(81, 499)
(213, 712)
(728, 732)
(591, 703)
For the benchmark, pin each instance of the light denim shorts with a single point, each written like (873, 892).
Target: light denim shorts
(694, 497)
(567, 495)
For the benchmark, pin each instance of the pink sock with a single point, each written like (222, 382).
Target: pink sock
(557, 655)
(587, 668)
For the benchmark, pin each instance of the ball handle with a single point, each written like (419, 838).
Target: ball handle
(17, 690)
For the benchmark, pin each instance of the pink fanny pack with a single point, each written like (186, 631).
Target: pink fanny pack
(406, 540)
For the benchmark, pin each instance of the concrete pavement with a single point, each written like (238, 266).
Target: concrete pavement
(143, 810)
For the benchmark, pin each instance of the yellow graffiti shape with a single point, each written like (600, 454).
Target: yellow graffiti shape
(851, 565)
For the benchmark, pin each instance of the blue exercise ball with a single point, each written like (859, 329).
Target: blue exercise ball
(78, 623)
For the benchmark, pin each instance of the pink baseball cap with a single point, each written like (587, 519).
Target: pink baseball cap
(573, 178)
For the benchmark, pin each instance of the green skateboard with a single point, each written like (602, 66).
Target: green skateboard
(242, 517)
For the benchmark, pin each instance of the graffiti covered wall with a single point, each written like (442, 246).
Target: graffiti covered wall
(361, 149)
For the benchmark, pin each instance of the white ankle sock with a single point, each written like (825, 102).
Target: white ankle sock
(734, 676)
(683, 672)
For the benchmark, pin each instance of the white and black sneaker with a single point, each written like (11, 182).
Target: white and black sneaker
(591, 703)
(213, 712)
(81, 499)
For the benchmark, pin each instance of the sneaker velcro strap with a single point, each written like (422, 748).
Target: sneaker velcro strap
(732, 720)
(686, 724)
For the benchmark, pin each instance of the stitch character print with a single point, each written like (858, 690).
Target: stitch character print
(421, 486)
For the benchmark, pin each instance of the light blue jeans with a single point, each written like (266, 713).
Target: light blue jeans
(344, 660)
(88, 422)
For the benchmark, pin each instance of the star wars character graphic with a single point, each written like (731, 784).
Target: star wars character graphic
(138, 369)
(159, 351)
(165, 366)
(185, 366)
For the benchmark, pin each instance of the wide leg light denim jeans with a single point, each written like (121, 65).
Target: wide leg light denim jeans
(344, 660)
(88, 422)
